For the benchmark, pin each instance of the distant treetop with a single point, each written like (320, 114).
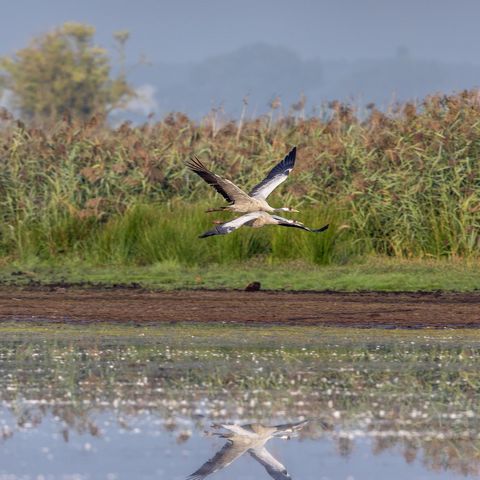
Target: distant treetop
(64, 73)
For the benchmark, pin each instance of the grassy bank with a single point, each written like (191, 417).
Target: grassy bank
(158, 247)
(380, 274)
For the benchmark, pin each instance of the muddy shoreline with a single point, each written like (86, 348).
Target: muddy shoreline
(139, 306)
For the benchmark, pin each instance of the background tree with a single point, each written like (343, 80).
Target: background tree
(64, 72)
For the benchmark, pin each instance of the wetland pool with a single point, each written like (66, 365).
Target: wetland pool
(138, 402)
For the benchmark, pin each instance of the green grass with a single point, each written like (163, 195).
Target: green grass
(157, 246)
(373, 273)
(148, 234)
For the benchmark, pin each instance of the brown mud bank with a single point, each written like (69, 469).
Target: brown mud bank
(368, 309)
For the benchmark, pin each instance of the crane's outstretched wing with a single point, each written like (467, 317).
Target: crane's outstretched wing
(231, 226)
(275, 177)
(224, 187)
(224, 457)
(273, 467)
(286, 222)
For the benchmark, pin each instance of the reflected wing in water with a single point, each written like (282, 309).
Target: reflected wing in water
(289, 430)
(224, 457)
(242, 430)
(273, 467)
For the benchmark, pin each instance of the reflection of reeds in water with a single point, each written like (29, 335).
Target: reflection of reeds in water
(403, 183)
(417, 392)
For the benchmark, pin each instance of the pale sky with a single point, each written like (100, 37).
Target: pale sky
(366, 50)
(191, 30)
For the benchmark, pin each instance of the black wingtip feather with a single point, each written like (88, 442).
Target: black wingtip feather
(208, 234)
(321, 229)
(291, 156)
(288, 162)
(196, 166)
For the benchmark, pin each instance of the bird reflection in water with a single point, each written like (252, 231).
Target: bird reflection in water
(249, 438)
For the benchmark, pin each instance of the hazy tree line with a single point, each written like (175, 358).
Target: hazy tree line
(65, 72)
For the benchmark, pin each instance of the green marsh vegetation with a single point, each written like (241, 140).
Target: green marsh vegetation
(402, 185)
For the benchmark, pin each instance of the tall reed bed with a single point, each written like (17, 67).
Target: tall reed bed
(406, 183)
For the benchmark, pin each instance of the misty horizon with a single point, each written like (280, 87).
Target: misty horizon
(204, 55)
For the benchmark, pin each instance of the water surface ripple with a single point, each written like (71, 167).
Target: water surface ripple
(122, 402)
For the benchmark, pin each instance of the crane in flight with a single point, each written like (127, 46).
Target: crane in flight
(257, 220)
(239, 200)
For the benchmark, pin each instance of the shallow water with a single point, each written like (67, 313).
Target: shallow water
(111, 402)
